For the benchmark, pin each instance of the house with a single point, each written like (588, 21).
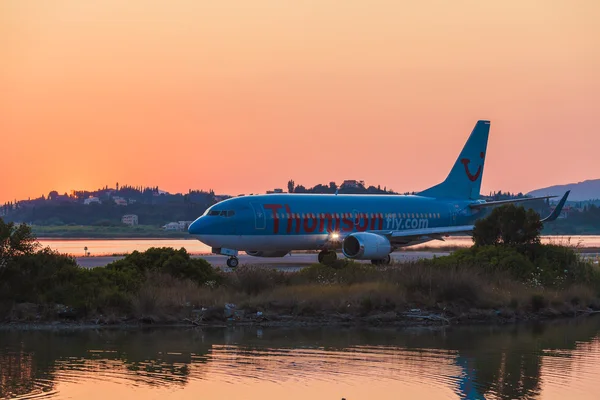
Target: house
(172, 226)
(92, 200)
(177, 226)
(130, 219)
(120, 201)
(275, 191)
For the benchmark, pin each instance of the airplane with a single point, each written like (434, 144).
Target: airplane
(364, 227)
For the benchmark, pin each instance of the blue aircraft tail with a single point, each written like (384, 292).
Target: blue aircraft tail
(464, 180)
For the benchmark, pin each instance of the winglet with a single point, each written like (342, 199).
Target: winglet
(557, 209)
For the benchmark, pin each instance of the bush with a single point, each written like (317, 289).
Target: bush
(536, 264)
(47, 277)
(509, 225)
(176, 263)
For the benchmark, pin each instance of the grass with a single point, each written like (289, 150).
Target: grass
(167, 285)
(358, 290)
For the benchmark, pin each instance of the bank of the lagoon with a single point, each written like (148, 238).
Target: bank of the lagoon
(168, 287)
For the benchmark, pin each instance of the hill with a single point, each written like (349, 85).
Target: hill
(581, 191)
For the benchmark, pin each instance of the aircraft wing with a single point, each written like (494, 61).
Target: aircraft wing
(558, 209)
(439, 232)
(435, 233)
(510, 201)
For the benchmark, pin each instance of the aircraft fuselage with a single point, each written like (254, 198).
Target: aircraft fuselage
(307, 221)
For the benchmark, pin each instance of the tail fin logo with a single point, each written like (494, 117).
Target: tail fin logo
(466, 162)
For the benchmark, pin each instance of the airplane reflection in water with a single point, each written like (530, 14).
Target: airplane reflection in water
(468, 363)
(364, 227)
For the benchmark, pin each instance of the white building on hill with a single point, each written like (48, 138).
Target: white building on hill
(91, 200)
(130, 219)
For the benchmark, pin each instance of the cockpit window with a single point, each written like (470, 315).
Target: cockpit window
(221, 213)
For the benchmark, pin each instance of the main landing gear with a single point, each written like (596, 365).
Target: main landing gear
(233, 262)
(327, 256)
(384, 261)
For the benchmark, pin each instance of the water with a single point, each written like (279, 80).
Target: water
(99, 247)
(552, 361)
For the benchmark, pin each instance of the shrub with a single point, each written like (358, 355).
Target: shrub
(176, 263)
(508, 224)
(47, 277)
(536, 264)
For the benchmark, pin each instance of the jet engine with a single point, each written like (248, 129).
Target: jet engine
(274, 253)
(366, 246)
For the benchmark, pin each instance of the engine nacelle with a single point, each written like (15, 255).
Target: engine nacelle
(366, 246)
(274, 253)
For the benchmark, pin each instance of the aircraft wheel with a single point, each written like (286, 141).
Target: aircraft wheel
(384, 261)
(232, 262)
(321, 255)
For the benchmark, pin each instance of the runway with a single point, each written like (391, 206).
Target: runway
(287, 263)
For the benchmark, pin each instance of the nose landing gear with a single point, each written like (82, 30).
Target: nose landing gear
(232, 261)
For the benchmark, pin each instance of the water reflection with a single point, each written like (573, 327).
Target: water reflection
(468, 363)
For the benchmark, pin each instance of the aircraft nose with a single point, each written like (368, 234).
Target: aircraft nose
(197, 227)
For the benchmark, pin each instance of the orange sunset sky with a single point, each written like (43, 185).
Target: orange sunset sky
(241, 96)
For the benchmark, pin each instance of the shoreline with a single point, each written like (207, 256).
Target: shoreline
(390, 319)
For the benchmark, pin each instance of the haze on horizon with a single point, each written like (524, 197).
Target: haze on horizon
(242, 96)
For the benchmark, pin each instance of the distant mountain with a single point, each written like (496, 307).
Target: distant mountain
(581, 191)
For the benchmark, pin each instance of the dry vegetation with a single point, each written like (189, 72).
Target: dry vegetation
(355, 292)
